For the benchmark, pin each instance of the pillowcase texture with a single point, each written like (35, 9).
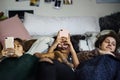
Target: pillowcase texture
(46, 25)
(13, 27)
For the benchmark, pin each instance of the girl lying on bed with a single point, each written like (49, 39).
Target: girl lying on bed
(54, 64)
(60, 50)
(103, 63)
(17, 51)
(15, 65)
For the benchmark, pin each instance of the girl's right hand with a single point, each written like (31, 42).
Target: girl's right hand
(8, 52)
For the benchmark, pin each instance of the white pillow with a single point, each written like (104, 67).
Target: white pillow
(41, 45)
(42, 25)
(89, 42)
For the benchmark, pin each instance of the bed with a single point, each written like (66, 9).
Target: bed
(84, 28)
(43, 29)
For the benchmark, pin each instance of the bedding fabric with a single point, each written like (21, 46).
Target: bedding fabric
(41, 45)
(22, 68)
(102, 67)
(13, 27)
(45, 25)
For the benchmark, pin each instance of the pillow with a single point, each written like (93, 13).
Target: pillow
(13, 27)
(111, 22)
(87, 43)
(42, 25)
(41, 45)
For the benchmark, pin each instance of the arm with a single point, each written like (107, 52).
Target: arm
(63, 58)
(54, 45)
(73, 53)
(106, 52)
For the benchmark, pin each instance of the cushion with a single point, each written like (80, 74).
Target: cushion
(111, 22)
(87, 40)
(41, 45)
(44, 25)
(13, 27)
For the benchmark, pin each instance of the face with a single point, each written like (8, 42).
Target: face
(63, 46)
(18, 48)
(109, 44)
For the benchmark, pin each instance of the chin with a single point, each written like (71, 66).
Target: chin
(64, 51)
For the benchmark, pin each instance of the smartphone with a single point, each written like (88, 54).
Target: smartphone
(64, 33)
(9, 42)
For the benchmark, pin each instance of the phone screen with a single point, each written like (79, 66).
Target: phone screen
(9, 42)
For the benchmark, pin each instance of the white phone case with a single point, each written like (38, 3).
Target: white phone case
(9, 42)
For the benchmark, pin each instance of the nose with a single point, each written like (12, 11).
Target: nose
(109, 44)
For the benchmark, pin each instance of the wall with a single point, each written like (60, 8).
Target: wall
(79, 8)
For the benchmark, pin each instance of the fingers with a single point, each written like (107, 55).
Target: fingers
(58, 35)
(4, 52)
(37, 55)
(46, 60)
(8, 52)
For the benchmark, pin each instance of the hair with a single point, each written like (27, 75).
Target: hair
(101, 38)
(21, 42)
(28, 44)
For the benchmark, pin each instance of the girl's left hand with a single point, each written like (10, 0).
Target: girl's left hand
(106, 52)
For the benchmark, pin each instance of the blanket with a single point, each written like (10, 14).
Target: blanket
(22, 68)
(102, 67)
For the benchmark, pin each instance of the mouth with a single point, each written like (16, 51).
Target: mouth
(63, 47)
(109, 48)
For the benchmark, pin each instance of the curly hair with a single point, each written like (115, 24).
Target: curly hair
(101, 38)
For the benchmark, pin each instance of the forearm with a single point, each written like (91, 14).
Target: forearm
(44, 55)
(52, 48)
(67, 62)
(74, 56)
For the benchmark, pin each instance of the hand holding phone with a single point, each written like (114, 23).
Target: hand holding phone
(64, 33)
(9, 47)
(9, 42)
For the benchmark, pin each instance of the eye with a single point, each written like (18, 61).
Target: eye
(18, 46)
(113, 43)
(107, 41)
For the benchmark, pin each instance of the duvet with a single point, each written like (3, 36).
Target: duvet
(102, 67)
(22, 68)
